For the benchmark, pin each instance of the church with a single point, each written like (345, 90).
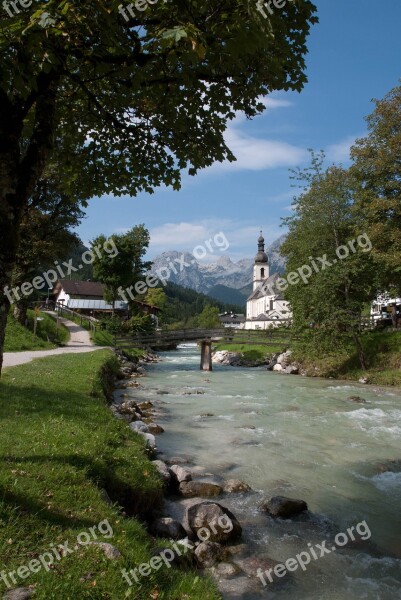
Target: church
(266, 306)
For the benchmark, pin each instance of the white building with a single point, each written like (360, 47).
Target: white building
(265, 307)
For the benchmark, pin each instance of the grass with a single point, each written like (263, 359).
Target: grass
(383, 356)
(19, 338)
(60, 446)
(251, 352)
(101, 337)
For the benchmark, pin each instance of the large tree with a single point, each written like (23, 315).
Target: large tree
(329, 246)
(377, 168)
(130, 104)
(123, 267)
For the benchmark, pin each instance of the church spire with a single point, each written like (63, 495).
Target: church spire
(261, 256)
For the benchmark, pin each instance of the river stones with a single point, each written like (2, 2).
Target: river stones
(214, 521)
(357, 399)
(163, 471)
(155, 429)
(207, 554)
(21, 593)
(180, 474)
(193, 489)
(168, 528)
(283, 508)
(138, 426)
(235, 486)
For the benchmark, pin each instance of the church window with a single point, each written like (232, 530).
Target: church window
(262, 272)
(271, 304)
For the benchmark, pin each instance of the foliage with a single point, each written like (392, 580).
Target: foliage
(209, 318)
(324, 219)
(377, 168)
(124, 268)
(156, 297)
(139, 324)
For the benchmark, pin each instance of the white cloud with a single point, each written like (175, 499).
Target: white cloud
(340, 152)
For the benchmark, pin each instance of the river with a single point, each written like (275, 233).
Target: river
(302, 438)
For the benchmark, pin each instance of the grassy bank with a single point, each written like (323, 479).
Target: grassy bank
(60, 447)
(383, 356)
(19, 338)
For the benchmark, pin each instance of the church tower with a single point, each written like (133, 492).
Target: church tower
(261, 266)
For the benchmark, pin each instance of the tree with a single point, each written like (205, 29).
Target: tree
(209, 318)
(156, 297)
(377, 169)
(327, 302)
(124, 267)
(46, 230)
(128, 105)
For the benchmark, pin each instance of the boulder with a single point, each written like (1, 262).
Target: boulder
(224, 357)
(278, 368)
(364, 380)
(168, 528)
(225, 570)
(235, 486)
(207, 554)
(193, 489)
(221, 525)
(292, 370)
(180, 474)
(284, 508)
(163, 471)
(155, 429)
(139, 426)
(284, 359)
(150, 439)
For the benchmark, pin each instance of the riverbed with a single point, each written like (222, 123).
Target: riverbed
(301, 438)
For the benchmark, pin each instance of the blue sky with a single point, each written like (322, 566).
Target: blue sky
(354, 56)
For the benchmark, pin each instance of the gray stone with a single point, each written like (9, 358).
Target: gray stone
(357, 399)
(168, 528)
(155, 429)
(225, 570)
(180, 474)
(278, 368)
(163, 471)
(222, 525)
(150, 439)
(139, 426)
(284, 508)
(235, 486)
(108, 550)
(292, 370)
(207, 554)
(193, 489)
(21, 593)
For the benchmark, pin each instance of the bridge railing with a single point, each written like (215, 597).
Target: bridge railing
(225, 335)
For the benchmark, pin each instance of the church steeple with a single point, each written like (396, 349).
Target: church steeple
(261, 267)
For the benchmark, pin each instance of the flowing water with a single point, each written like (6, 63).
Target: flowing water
(302, 438)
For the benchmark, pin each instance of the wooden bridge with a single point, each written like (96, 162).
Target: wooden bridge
(169, 339)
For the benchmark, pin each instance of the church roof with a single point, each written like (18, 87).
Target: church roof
(261, 256)
(268, 288)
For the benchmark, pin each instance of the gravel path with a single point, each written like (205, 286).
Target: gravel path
(79, 342)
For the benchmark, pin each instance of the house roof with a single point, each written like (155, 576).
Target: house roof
(83, 288)
(268, 288)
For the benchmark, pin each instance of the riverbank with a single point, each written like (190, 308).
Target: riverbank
(382, 351)
(69, 472)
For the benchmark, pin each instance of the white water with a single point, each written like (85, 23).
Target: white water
(309, 442)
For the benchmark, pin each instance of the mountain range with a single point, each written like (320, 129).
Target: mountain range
(224, 279)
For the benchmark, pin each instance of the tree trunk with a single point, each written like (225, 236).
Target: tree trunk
(360, 351)
(20, 312)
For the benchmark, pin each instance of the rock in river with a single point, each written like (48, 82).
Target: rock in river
(284, 508)
(221, 525)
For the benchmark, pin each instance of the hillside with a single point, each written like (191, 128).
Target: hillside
(184, 303)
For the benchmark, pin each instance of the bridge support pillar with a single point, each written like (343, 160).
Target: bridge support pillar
(206, 356)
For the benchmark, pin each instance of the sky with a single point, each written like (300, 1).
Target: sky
(354, 56)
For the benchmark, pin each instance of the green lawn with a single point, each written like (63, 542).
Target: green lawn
(60, 446)
(20, 338)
